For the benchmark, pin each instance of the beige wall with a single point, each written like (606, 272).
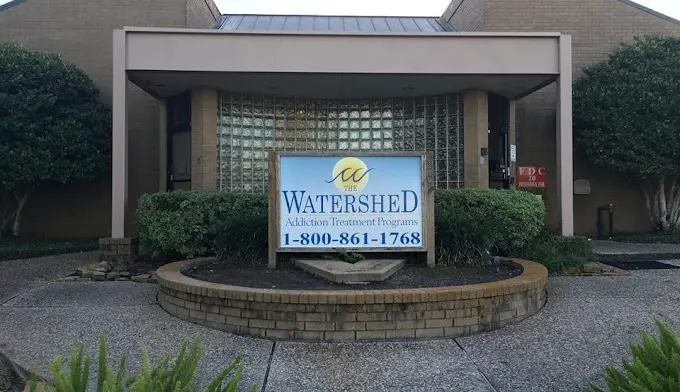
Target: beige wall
(597, 27)
(81, 31)
(204, 139)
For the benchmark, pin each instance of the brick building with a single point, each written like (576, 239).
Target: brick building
(208, 94)
(597, 27)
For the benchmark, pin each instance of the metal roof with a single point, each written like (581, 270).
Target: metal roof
(381, 24)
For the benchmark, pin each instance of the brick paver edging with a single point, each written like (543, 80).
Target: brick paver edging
(354, 314)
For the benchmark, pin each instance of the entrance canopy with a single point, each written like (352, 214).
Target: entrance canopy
(328, 64)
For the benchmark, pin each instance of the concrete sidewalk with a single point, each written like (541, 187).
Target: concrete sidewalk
(584, 327)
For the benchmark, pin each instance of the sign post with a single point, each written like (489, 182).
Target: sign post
(363, 202)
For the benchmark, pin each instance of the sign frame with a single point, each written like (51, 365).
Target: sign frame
(274, 210)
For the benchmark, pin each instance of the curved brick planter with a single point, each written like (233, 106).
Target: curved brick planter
(354, 314)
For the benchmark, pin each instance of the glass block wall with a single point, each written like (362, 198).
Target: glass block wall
(250, 126)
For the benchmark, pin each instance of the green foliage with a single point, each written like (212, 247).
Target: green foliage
(242, 237)
(557, 253)
(656, 237)
(53, 126)
(655, 366)
(14, 248)
(164, 376)
(470, 222)
(185, 223)
(627, 109)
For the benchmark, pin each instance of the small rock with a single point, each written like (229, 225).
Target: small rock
(106, 265)
(592, 268)
(152, 280)
(99, 276)
(140, 278)
(112, 276)
(572, 271)
(84, 279)
(125, 274)
(98, 269)
(82, 271)
(122, 279)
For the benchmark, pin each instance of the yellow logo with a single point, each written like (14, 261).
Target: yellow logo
(350, 175)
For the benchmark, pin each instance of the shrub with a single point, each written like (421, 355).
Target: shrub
(53, 128)
(469, 222)
(557, 253)
(655, 366)
(242, 237)
(184, 223)
(180, 376)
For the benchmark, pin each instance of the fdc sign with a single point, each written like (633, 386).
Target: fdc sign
(366, 202)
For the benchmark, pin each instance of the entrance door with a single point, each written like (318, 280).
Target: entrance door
(179, 142)
(499, 142)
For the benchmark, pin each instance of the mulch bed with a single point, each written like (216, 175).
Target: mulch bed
(292, 278)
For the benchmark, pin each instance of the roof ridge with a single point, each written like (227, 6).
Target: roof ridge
(650, 11)
(331, 16)
(10, 4)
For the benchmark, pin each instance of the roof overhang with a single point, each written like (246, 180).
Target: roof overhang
(167, 61)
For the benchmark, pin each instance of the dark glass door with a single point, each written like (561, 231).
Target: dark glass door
(179, 142)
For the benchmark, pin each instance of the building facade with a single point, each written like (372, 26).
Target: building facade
(80, 31)
(597, 28)
(459, 86)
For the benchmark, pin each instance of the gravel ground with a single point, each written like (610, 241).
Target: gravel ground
(411, 276)
(585, 326)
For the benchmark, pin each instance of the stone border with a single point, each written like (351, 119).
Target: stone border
(347, 315)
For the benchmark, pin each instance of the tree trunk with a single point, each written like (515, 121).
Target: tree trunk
(663, 202)
(663, 206)
(21, 198)
(674, 204)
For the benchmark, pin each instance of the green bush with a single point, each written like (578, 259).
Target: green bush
(180, 376)
(184, 223)
(655, 366)
(671, 236)
(242, 237)
(469, 222)
(14, 248)
(557, 253)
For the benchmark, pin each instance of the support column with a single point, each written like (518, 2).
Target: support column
(203, 139)
(476, 138)
(565, 159)
(118, 248)
(119, 186)
(512, 140)
(163, 146)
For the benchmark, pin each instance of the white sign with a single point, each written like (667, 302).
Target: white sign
(350, 202)
(513, 153)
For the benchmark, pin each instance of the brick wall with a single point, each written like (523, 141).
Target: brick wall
(201, 13)
(466, 15)
(597, 27)
(354, 314)
(81, 32)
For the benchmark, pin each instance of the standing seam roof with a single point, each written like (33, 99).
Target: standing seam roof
(369, 24)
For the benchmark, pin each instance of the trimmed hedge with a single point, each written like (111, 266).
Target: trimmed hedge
(184, 223)
(555, 252)
(470, 222)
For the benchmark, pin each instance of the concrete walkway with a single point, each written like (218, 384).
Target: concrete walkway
(584, 327)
